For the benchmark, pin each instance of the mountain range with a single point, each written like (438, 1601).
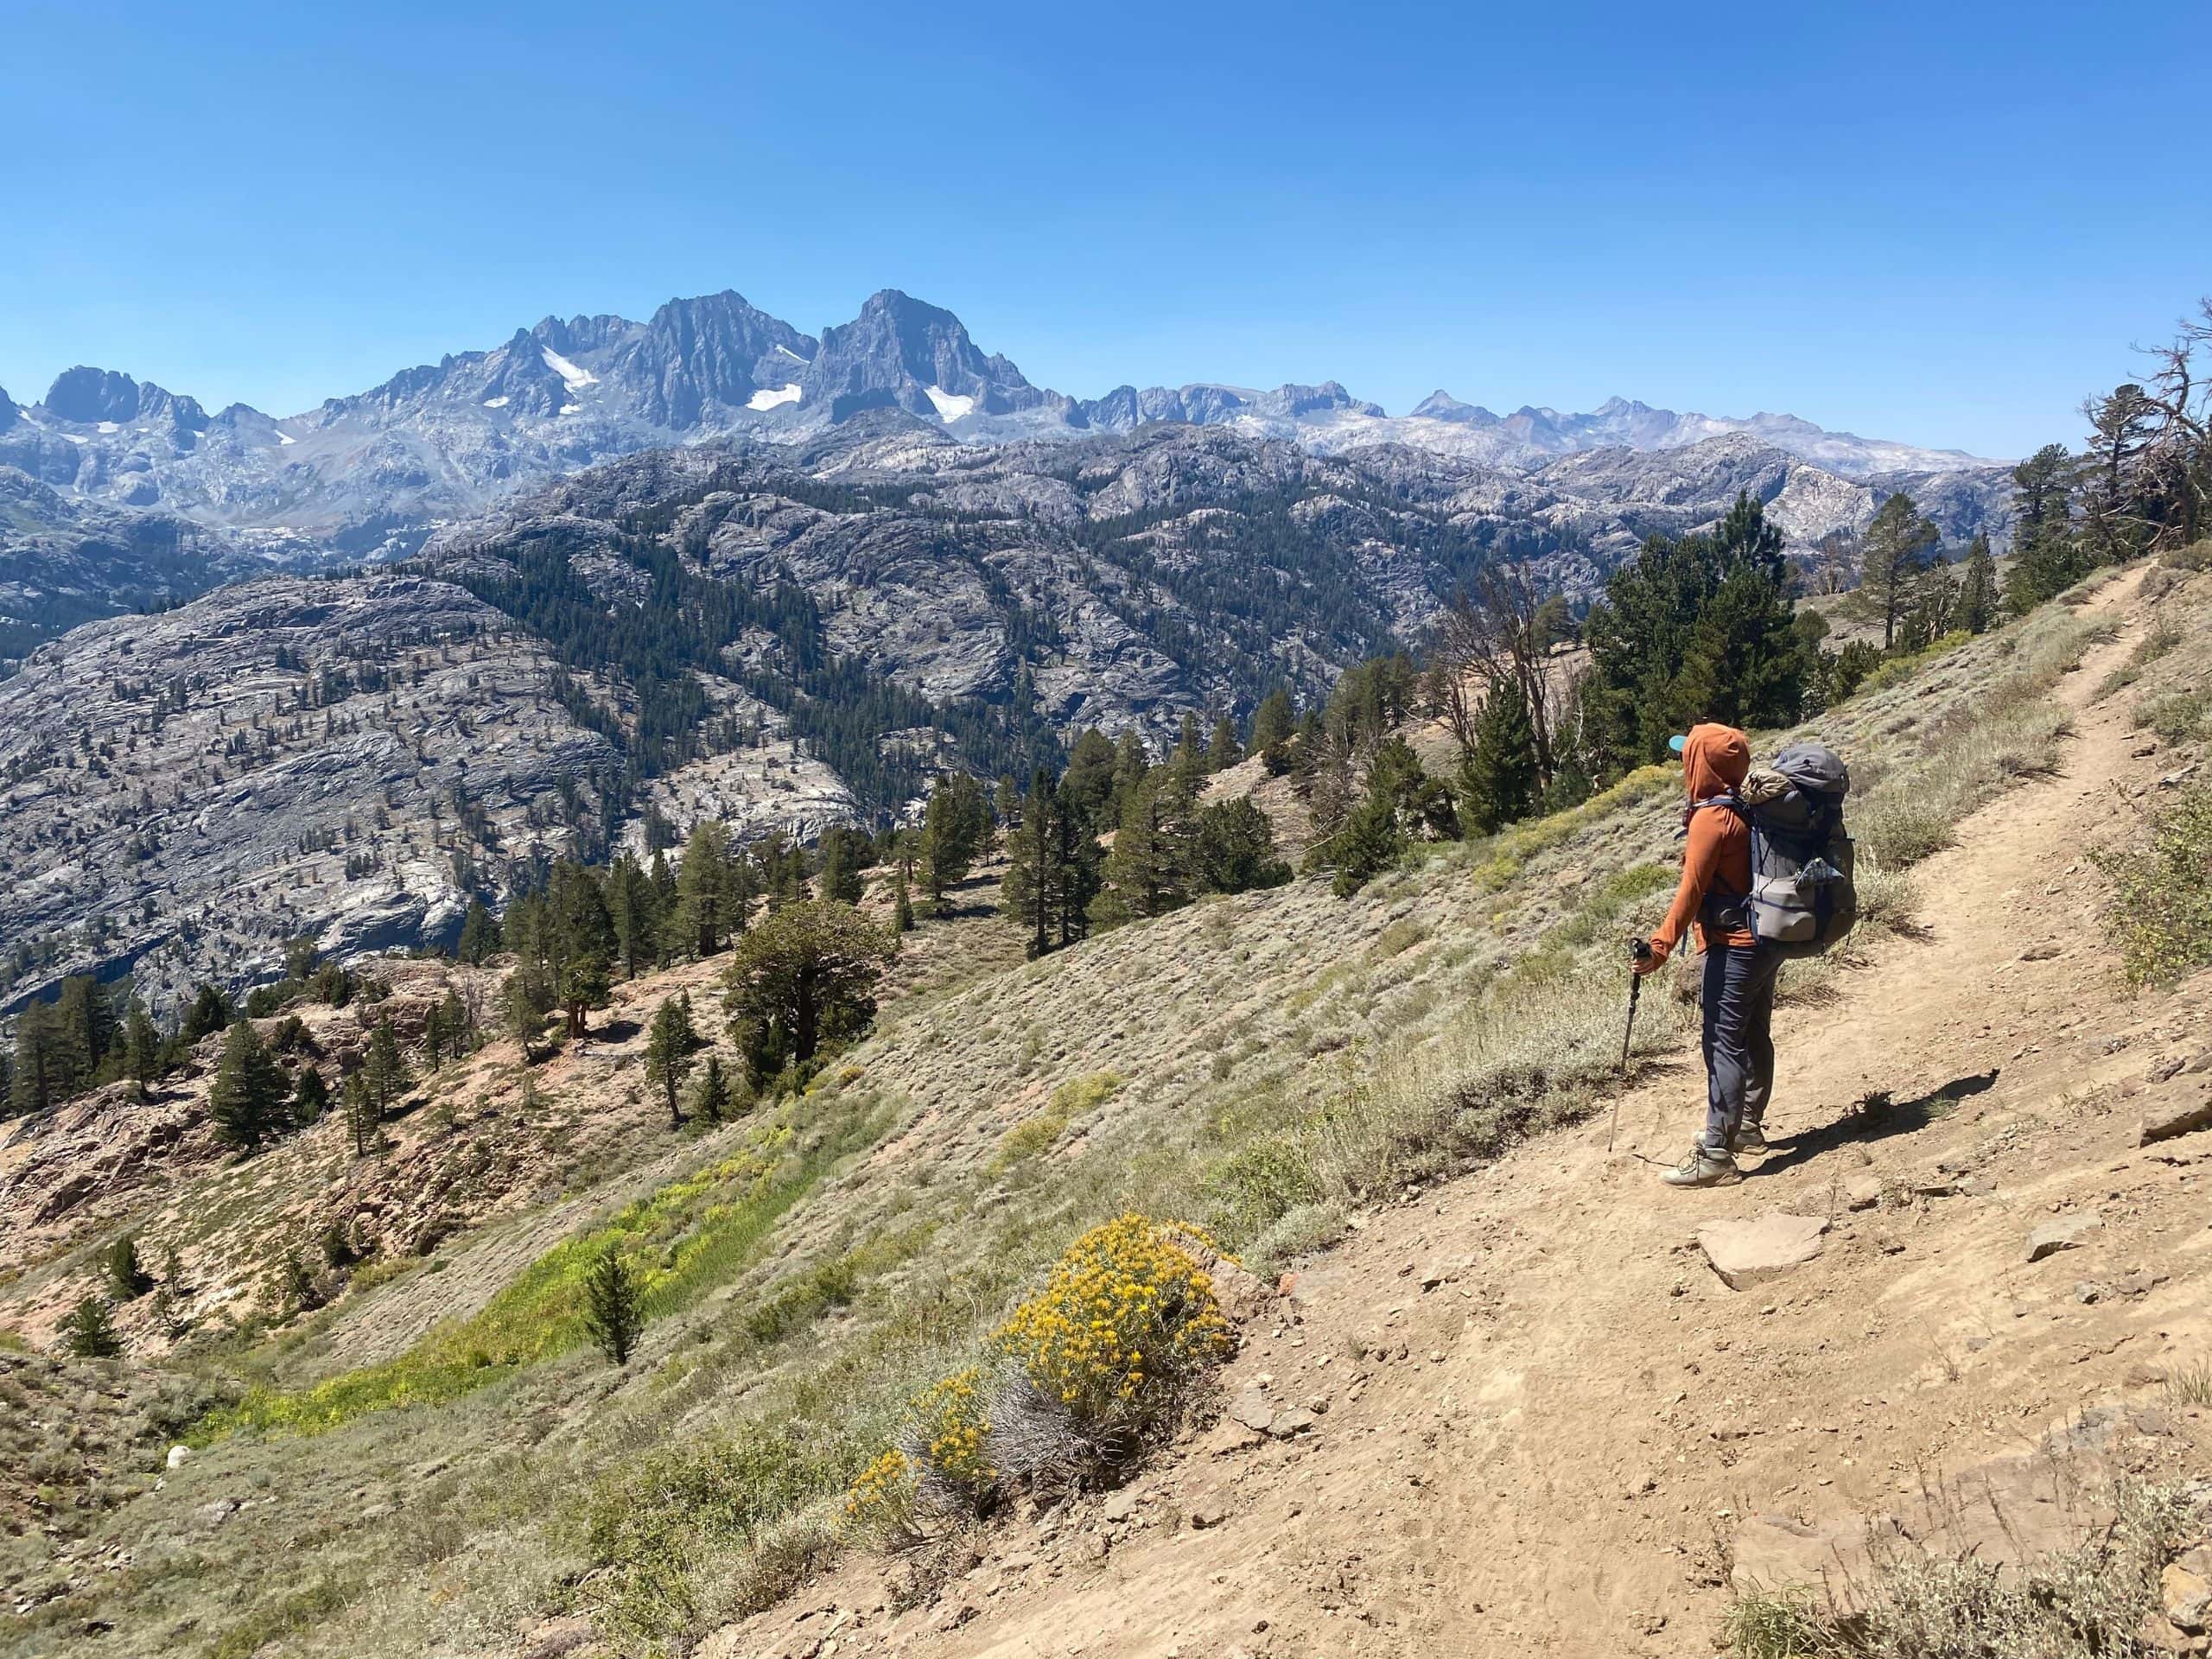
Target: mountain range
(376, 470)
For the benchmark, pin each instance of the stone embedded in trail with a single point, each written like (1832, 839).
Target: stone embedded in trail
(2067, 1233)
(2184, 1591)
(1746, 1253)
(1863, 1192)
(2174, 1119)
(1252, 1410)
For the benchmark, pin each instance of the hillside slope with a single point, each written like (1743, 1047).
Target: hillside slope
(1530, 1399)
(1546, 1425)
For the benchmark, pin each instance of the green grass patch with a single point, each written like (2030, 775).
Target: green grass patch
(691, 1235)
(289, 1615)
(1041, 1133)
(1899, 668)
(2178, 718)
(2160, 911)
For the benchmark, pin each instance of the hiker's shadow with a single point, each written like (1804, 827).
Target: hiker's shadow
(1876, 1117)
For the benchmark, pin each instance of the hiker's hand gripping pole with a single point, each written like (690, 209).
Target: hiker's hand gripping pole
(1641, 950)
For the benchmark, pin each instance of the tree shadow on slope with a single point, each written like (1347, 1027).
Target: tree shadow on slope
(1875, 1117)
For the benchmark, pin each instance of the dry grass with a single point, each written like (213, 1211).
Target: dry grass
(1277, 1060)
(2089, 1602)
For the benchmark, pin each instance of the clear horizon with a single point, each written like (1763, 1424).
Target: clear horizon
(1904, 224)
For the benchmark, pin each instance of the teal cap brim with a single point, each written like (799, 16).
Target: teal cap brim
(1677, 744)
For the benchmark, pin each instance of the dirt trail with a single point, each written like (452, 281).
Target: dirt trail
(1540, 1416)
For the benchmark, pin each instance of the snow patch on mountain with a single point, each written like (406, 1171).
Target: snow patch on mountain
(572, 376)
(765, 398)
(496, 402)
(950, 406)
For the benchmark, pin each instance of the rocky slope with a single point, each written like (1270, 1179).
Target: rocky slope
(1517, 1407)
(346, 759)
(65, 560)
(781, 635)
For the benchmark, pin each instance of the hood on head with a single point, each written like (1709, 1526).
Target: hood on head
(1715, 759)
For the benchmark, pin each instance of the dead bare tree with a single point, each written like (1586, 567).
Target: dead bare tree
(1492, 634)
(2176, 459)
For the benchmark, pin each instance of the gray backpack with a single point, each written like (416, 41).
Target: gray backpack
(1802, 900)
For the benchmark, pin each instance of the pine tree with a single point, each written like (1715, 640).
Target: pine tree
(953, 828)
(633, 908)
(385, 1073)
(1224, 751)
(1149, 871)
(84, 1018)
(89, 1332)
(1977, 602)
(1693, 628)
(479, 934)
(1131, 763)
(247, 1099)
(125, 1277)
(669, 1043)
(902, 906)
(1499, 782)
(1079, 868)
(1896, 554)
(712, 1097)
(528, 1003)
(363, 1122)
(1272, 721)
(435, 1039)
(1233, 848)
(2117, 521)
(703, 888)
(1089, 778)
(141, 1048)
(614, 1306)
(805, 976)
(2047, 553)
(210, 1013)
(310, 1097)
(1401, 802)
(583, 942)
(460, 1023)
(1030, 892)
(843, 855)
(40, 1079)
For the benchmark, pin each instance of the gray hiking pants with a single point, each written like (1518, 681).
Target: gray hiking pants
(1738, 1009)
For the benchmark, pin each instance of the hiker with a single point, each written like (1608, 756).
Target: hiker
(1740, 970)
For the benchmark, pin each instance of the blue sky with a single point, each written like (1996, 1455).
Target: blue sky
(1943, 223)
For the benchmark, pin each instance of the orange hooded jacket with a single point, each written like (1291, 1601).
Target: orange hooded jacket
(1715, 759)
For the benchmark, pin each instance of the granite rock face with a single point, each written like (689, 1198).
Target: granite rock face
(286, 757)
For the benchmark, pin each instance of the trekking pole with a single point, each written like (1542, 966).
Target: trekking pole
(1642, 950)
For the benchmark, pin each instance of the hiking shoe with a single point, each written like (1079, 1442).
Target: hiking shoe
(1704, 1167)
(1749, 1138)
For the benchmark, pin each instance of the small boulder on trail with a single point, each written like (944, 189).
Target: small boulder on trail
(1746, 1253)
(2067, 1233)
(2165, 1123)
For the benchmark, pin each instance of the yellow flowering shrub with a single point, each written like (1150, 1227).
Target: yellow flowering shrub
(950, 1429)
(1127, 1318)
(880, 1504)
